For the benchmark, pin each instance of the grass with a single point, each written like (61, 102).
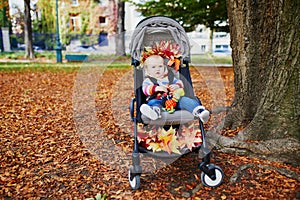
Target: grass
(12, 67)
(55, 67)
(14, 55)
(20, 55)
(95, 60)
(211, 59)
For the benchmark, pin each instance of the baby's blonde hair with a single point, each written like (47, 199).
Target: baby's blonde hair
(153, 57)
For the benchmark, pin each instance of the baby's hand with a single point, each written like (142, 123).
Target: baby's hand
(161, 89)
(174, 87)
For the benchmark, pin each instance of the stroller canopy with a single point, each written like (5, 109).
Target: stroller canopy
(155, 29)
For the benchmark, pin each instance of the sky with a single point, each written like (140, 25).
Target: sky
(13, 3)
(19, 4)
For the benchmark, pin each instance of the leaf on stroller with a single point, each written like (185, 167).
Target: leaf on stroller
(190, 138)
(170, 140)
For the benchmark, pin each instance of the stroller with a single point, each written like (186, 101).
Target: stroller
(149, 31)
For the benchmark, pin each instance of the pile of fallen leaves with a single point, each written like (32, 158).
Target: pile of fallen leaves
(43, 157)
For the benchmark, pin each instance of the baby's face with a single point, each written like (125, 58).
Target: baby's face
(155, 66)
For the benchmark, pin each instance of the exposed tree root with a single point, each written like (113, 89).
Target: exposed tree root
(236, 176)
(218, 110)
(282, 171)
(283, 150)
(288, 173)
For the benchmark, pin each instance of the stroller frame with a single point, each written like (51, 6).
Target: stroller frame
(211, 175)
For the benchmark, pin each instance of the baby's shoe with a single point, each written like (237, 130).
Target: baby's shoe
(202, 113)
(151, 113)
(157, 110)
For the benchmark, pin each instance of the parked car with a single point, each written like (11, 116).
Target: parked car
(35, 48)
(222, 51)
(84, 48)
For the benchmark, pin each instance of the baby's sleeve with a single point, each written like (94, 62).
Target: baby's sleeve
(148, 87)
(178, 82)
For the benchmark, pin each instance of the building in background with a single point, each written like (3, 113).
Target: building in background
(91, 25)
(82, 22)
(88, 16)
(201, 43)
(95, 19)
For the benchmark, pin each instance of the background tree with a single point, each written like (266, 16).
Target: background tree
(120, 39)
(4, 22)
(46, 24)
(29, 53)
(265, 40)
(189, 13)
(4, 13)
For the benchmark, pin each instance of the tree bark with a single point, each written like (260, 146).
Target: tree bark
(265, 40)
(28, 31)
(120, 39)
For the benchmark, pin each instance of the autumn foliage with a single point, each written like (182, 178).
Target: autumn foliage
(42, 156)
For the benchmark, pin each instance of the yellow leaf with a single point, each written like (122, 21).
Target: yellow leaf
(154, 146)
(165, 136)
(174, 145)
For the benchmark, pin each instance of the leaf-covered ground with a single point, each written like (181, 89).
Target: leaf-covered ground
(42, 155)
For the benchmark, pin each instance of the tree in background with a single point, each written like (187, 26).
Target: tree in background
(46, 22)
(265, 40)
(4, 22)
(4, 13)
(120, 39)
(189, 13)
(29, 53)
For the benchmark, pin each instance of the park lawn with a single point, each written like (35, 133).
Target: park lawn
(35, 66)
(50, 57)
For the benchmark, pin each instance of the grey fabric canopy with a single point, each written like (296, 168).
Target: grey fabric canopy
(155, 29)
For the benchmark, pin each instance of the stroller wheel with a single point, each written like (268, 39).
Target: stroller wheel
(207, 181)
(134, 180)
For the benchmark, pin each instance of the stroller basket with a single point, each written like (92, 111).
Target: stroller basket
(150, 31)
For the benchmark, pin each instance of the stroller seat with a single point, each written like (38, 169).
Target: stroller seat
(178, 117)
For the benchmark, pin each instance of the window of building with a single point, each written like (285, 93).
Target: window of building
(102, 20)
(203, 48)
(103, 2)
(223, 47)
(220, 35)
(75, 3)
(75, 23)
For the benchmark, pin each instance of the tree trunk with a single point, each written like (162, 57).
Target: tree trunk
(28, 31)
(265, 40)
(120, 39)
(1, 41)
(211, 39)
